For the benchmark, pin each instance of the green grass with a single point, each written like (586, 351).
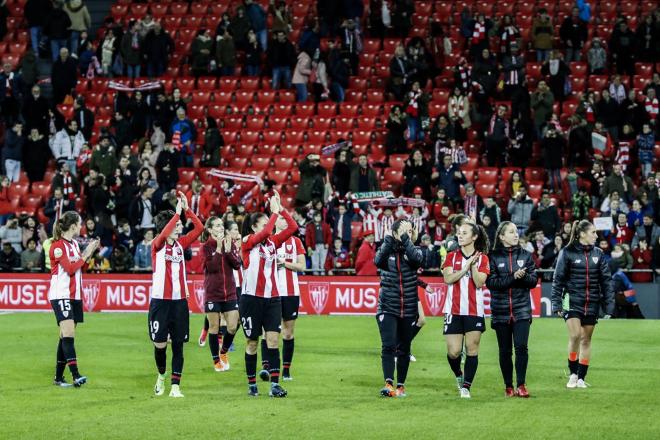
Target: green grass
(335, 392)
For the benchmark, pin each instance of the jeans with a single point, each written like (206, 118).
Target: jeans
(396, 334)
(281, 74)
(13, 169)
(74, 40)
(554, 179)
(156, 68)
(301, 92)
(415, 132)
(55, 46)
(337, 91)
(35, 37)
(262, 37)
(572, 54)
(646, 169)
(514, 334)
(319, 255)
(227, 71)
(132, 71)
(252, 70)
(542, 55)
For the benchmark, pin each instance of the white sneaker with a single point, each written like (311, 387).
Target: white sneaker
(413, 358)
(459, 383)
(159, 388)
(582, 384)
(175, 392)
(465, 393)
(572, 381)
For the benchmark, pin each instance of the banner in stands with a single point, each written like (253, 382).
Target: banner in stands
(347, 295)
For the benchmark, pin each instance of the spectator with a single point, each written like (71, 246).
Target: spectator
(147, 24)
(31, 257)
(339, 73)
(364, 262)
(98, 263)
(65, 180)
(513, 67)
(549, 256)
(451, 178)
(36, 148)
(158, 45)
(617, 90)
(252, 55)
(557, 72)
(12, 152)
(132, 50)
(442, 133)
(80, 22)
(29, 69)
(351, 43)
(573, 33)
(57, 28)
(648, 231)
(64, 76)
(108, 50)
(11, 233)
(312, 183)
(430, 252)
(143, 209)
(183, 136)
(9, 258)
(340, 218)
(417, 110)
(455, 151)
(472, 203)
(492, 211)
(646, 37)
(363, 177)
(546, 216)
(542, 34)
(239, 27)
(553, 146)
(201, 53)
(104, 157)
(621, 257)
(642, 258)
(225, 53)
(257, 17)
(67, 145)
(497, 137)
(623, 47)
(35, 110)
(337, 258)
(607, 111)
(319, 77)
(395, 141)
(635, 215)
(618, 182)
(301, 75)
(620, 233)
(121, 260)
(596, 57)
(318, 237)
(485, 74)
(651, 106)
(213, 141)
(520, 208)
(11, 93)
(55, 206)
(400, 73)
(341, 172)
(83, 116)
(37, 13)
(542, 103)
(96, 230)
(167, 167)
(479, 40)
(281, 56)
(142, 260)
(509, 34)
(418, 172)
(282, 17)
(538, 241)
(459, 114)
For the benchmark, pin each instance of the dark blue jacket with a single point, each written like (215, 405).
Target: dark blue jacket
(450, 182)
(257, 16)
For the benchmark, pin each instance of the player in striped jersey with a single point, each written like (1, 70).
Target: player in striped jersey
(465, 271)
(168, 305)
(260, 305)
(65, 293)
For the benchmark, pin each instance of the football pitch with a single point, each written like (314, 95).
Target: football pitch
(334, 393)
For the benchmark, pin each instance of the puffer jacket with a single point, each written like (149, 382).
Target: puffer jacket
(510, 299)
(398, 262)
(582, 282)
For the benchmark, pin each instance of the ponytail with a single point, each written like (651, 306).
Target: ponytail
(578, 227)
(208, 225)
(500, 230)
(64, 223)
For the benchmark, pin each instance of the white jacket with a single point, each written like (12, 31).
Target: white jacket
(63, 148)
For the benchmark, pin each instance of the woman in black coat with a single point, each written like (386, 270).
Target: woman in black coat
(512, 275)
(582, 285)
(36, 154)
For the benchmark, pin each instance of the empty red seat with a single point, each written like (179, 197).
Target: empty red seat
(31, 201)
(326, 109)
(266, 96)
(371, 45)
(259, 162)
(294, 137)
(392, 175)
(237, 163)
(249, 137)
(598, 82)
(244, 150)
(206, 83)
(398, 161)
(289, 150)
(277, 123)
(298, 123)
(244, 97)
(375, 95)
(272, 136)
(228, 83)
(279, 176)
(534, 189)
(254, 124)
(371, 110)
(283, 162)
(485, 189)
(41, 189)
(488, 175)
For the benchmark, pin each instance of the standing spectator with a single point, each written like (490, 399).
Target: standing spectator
(12, 152)
(67, 145)
(29, 70)
(479, 40)
(257, 17)
(646, 38)
(351, 43)
(617, 90)
(642, 258)
(167, 167)
(64, 76)
(183, 129)
(485, 74)
(225, 55)
(497, 137)
(459, 113)
(281, 56)
(520, 208)
(157, 47)
(513, 67)
(31, 257)
(301, 75)
(9, 258)
(11, 92)
(646, 146)
(340, 71)
(573, 33)
(338, 257)
(363, 177)
(596, 57)
(282, 17)
(35, 110)
(542, 33)
(340, 218)
(239, 27)
(318, 237)
(83, 116)
(121, 260)
(36, 148)
(80, 22)
(131, 50)
(472, 203)
(55, 206)
(108, 49)
(142, 260)
(648, 231)
(252, 55)
(553, 146)
(364, 262)
(400, 73)
(57, 28)
(416, 109)
(104, 157)
(37, 13)
(143, 209)
(542, 102)
(618, 182)
(557, 72)
(11, 233)
(607, 111)
(213, 141)
(418, 172)
(341, 172)
(546, 216)
(395, 141)
(651, 106)
(623, 47)
(201, 53)
(312, 180)
(65, 180)
(451, 178)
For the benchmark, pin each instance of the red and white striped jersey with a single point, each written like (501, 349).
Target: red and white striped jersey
(288, 279)
(463, 297)
(260, 258)
(385, 223)
(65, 270)
(169, 280)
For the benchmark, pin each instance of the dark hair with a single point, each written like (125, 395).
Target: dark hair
(250, 221)
(64, 223)
(397, 224)
(458, 221)
(229, 224)
(162, 219)
(578, 227)
(481, 244)
(211, 122)
(208, 225)
(500, 230)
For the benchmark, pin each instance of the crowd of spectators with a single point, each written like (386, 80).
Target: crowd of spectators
(596, 160)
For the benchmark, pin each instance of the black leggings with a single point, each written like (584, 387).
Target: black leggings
(396, 334)
(516, 334)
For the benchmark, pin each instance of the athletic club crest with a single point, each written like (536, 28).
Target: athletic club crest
(521, 263)
(594, 259)
(90, 291)
(435, 299)
(318, 295)
(198, 288)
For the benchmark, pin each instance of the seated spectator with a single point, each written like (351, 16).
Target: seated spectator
(98, 263)
(225, 53)
(418, 172)
(642, 257)
(142, 258)
(121, 260)
(438, 202)
(625, 297)
(363, 176)
(11, 233)
(364, 262)
(31, 257)
(542, 34)
(546, 216)
(621, 256)
(338, 257)
(430, 252)
(32, 229)
(312, 179)
(648, 231)
(520, 208)
(635, 215)
(95, 230)
(9, 258)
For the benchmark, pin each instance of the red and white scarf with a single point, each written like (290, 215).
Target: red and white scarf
(413, 107)
(507, 37)
(464, 71)
(67, 188)
(651, 107)
(479, 33)
(623, 154)
(470, 208)
(456, 104)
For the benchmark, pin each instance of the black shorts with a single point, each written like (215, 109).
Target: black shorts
(257, 313)
(68, 309)
(220, 306)
(461, 324)
(584, 319)
(290, 305)
(169, 317)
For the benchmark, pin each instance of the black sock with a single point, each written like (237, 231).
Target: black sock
(214, 346)
(177, 362)
(160, 354)
(573, 366)
(226, 342)
(287, 355)
(206, 323)
(223, 331)
(61, 362)
(582, 370)
(274, 364)
(471, 364)
(264, 355)
(251, 368)
(455, 365)
(69, 350)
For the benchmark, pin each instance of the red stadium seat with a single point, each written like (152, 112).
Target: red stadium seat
(254, 124)
(228, 83)
(41, 189)
(260, 162)
(275, 123)
(534, 189)
(294, 137)
(289, 150)
(485, 189)
(306, 110)
(598, 82)
(17, 190)
(187, 175)
(249, 137)
(488, 175)
(272, 136)
(326, 109)
(298, 123)
(398, 161)
(283, 163)
(31, 201)
(244, 150)
(237, 163)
